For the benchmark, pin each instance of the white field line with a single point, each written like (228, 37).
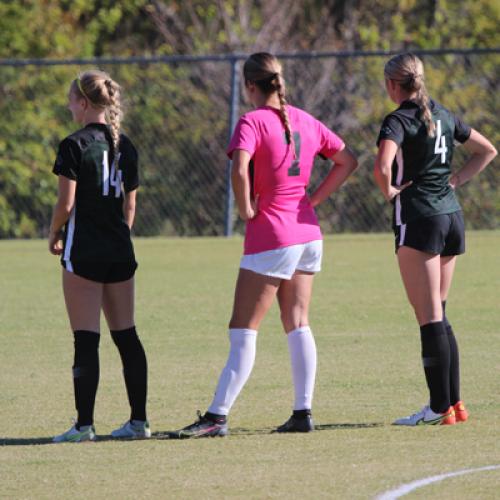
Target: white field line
(404, 489)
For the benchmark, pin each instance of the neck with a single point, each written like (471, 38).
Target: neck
(94, 116)
(405, 96)
(271, 100)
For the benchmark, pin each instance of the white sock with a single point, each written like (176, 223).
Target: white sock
(237, 370)
(303, 359)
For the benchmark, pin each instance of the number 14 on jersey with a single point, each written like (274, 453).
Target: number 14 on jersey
(113, 177)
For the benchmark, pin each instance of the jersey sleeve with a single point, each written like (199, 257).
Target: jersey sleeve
(329, 142)
(462, 130)
(68, 160)
(129, 164)
(391, 129)
(244, 137)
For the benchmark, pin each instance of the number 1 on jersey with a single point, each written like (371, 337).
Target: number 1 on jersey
(440, 144)
(114, 177)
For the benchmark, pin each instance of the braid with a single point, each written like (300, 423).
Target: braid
(103, 93)
(114, 111)
(423, 102)
(284, 115)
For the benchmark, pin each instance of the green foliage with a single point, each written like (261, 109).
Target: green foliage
(178, 114)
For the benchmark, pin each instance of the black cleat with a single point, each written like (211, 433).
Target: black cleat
(203, 427)
(297, 424)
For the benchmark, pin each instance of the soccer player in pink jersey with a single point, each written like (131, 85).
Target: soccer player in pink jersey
(273, 150)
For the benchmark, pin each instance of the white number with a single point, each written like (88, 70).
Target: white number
(114, 177)
(440, 145)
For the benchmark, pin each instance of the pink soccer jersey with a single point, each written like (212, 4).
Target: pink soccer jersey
(285, 215)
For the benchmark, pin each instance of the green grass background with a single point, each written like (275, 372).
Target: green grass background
(369, 373)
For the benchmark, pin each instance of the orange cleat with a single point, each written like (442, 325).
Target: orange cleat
(461, 413)
(450, 418)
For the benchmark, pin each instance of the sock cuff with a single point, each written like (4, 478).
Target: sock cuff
(240, 332)
(435, 328)
(302, 330)
(125, 331)
(86, 337)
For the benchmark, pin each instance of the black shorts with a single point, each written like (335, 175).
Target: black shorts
(102, 272)
(439, 235)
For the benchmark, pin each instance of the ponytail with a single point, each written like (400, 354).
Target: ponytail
(407, 70)
(102, 92)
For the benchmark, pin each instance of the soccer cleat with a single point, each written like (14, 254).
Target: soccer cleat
(203, 427)
(133, 429)
(294, 424)
(461, 413)
(74, 435)
(427, 417)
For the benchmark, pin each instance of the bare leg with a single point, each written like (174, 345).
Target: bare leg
(83, 302)
(253, 297)
(421, 274)
(118, 304)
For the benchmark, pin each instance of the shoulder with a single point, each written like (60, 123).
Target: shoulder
(126, 144)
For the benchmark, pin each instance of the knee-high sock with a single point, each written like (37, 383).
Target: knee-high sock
(302, 350)
(436, 361)
(454, 360)
(135, 370)
(85, 374)
(237, 370)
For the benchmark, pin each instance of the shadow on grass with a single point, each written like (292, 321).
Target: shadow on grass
(236, 431)
(241, 431)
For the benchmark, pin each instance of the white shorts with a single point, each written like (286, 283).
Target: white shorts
(283, 262)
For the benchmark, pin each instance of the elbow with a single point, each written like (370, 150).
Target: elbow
(493, 152)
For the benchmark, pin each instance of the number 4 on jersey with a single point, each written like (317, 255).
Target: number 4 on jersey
(440, 144)
(114, 177)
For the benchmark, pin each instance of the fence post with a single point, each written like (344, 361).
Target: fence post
(233, 118)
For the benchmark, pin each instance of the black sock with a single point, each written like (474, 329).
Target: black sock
(436, 361)
(215, 417)
(86, 375)
(454, 360)
(301, 414)
(135, 370)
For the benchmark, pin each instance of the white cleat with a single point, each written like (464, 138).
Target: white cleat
(133, 429)
(427, 417)
(74, 435)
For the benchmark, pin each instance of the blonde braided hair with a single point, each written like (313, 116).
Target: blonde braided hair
(264, 70)
(407, 70)
(102, 92)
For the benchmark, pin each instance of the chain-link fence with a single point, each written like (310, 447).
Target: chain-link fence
(179, 113)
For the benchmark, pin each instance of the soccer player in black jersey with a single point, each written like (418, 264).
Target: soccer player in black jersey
(90, 229)
(413, 171)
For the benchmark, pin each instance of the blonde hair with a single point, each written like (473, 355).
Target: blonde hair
(407, 70)
(102, 92)
(264, 70)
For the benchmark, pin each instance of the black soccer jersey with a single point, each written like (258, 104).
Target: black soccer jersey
(422, 159)
(96, 230)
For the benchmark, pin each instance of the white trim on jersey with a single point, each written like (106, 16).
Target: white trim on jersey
(402, 234)
(399, 179)
(69, 240)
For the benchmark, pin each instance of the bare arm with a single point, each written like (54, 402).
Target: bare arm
(129, 207)
(482, 153)
(61, 213)
(344, 164)
(383, 169)
(241, 184)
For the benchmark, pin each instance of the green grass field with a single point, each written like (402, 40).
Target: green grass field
(369, 373)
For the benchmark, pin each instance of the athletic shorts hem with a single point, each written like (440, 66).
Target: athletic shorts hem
(283, 262)
(102, 272)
